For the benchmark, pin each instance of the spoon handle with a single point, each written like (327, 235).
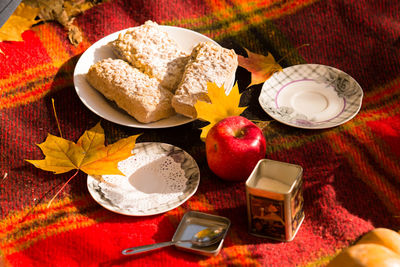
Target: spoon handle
(140, 249)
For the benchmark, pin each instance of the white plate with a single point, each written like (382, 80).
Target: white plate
(311, 96)
(97, 103)
(158, 177)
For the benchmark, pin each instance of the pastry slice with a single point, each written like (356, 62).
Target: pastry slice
(140, 96)
(208, 63)
(150, 49)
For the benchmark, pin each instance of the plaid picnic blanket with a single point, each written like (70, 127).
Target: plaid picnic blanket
(351, 172)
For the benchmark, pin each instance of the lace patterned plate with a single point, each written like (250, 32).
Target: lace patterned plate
(311, 96)
(158, 177)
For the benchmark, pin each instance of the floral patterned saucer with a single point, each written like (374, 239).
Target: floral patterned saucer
(311, 96)
(158, 177)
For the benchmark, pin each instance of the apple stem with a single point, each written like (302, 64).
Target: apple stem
(58, 192)
(240, 133)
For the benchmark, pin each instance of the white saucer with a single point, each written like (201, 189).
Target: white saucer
(158, 177)
(98, 104)
(311, 96)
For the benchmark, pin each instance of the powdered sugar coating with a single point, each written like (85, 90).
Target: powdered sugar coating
(152, 51)
(208, 63)
(136, 93)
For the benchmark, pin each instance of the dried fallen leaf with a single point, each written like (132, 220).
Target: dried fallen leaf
(89, 154)
(74, 8)
(62, 11)
(221, 106)
(260, 66)
(21, 20)
(74, 35)
(49, 9)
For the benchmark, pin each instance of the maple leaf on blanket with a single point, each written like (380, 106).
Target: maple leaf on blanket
(31, 12)
(21, 20)
(261, 67)
(64, 12)
(221, 106)
(89, 154)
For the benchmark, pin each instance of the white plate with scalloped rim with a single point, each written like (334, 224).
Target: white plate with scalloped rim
(104, 108)
(158, 177)
(311, 96)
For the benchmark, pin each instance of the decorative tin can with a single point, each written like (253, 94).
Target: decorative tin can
(275, 200)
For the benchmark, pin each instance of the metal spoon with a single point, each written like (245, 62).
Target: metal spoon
(203, 238)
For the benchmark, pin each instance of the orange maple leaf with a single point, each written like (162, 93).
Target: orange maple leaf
(261, 67)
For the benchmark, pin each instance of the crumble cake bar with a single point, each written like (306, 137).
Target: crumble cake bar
(140, 96)
(208, 63)
(152, 51)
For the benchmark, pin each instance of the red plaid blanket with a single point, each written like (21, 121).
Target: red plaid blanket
(351, 172)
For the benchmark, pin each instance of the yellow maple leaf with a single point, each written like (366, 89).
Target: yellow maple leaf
(221, 106)
(260, 66)
(21, 20)
(89, 154)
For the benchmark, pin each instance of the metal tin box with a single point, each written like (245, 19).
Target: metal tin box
(193, 222)
(275, 200)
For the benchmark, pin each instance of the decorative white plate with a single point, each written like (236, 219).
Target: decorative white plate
(97, 103)
(311, 96)
(158, 177)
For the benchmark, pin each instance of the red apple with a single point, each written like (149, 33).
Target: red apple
(233, 147)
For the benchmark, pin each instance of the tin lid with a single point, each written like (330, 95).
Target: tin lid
(193, 222)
